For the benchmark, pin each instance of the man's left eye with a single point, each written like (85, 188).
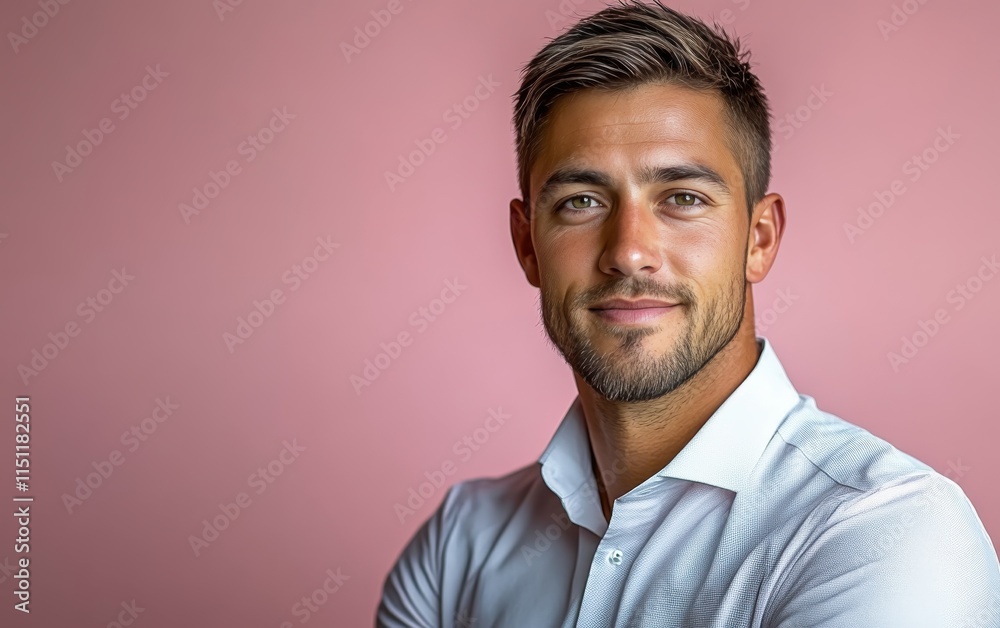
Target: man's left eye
(686, 199)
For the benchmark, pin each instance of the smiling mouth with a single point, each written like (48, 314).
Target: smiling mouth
(633, 312)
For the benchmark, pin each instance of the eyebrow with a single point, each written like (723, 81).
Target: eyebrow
(649, 174)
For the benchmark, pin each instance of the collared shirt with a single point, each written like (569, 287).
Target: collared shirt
(776, 514)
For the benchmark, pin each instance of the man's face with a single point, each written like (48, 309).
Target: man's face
(637, 197)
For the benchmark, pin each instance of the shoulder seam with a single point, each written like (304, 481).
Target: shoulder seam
(817, 466)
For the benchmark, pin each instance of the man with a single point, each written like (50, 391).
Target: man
(689, 484)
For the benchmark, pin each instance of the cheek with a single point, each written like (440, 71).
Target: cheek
(696, 250)
(706, 257)
(566, 264)
(565, 256)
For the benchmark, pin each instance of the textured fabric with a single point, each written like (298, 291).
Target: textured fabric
(776, 514)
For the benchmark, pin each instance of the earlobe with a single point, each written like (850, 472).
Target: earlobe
(520, 232)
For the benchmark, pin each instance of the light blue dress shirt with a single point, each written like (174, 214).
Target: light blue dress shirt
(776, 514)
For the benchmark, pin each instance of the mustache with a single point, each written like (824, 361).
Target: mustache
(633, 288)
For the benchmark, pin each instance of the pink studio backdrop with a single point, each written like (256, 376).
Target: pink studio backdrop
(256, 106)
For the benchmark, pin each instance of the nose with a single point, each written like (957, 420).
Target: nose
(631, 240)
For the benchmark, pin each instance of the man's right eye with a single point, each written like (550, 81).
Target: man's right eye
(586, 202)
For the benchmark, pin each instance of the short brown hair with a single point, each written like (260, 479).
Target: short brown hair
(635, 43)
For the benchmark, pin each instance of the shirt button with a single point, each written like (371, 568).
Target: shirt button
(615, 557)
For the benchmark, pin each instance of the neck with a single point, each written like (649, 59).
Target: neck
(632, 441)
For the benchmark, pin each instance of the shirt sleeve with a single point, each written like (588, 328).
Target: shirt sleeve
(411, 593)
(914, 553)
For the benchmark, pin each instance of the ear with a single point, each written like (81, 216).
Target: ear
(520, 233)
(767, 225)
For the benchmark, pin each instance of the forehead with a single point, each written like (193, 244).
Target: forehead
(659, 124)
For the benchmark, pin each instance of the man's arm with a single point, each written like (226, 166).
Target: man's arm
(411, 593)
(911, 554)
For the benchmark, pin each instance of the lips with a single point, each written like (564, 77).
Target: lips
(622, 304)
(624, 312)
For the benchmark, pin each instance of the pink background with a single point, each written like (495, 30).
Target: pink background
(323, 175)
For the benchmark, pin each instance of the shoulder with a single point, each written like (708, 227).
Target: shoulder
(435, 560)
(473, 503)
(848, 454)
(910, 551)
(486, 499)
(888, 535)
(870, 480)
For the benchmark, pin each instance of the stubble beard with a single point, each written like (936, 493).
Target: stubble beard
(631, 373)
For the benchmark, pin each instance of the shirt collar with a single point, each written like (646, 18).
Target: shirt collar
(722, 453)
